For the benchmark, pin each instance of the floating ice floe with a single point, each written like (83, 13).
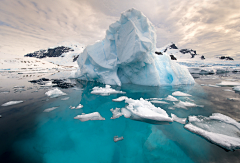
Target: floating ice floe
(65, 98)
(119, 99)
(145, 111)
(105, 91)
(178, 93)
(127, 55)
(211, 85)
(233, 99)
(228, 84)
(201, 70)
(171, 98)
(90, 116)
(185, 105)
(16, 87)
(116, 113)
(155, 99)
(218, 129)
(159, 102)
(177, 119)
(50, 109)
(11, 103)
(116, 138)
(229, 90)
(55, 93)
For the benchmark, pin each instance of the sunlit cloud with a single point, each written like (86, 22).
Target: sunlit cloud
(210, 27)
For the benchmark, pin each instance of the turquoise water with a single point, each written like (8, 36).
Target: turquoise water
(56, 136)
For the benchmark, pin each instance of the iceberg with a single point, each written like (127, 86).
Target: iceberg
(217, 128)
(90, 116)
(127, 55)
(55, 93)
(119, 99)
(105, 91)
(11, 103)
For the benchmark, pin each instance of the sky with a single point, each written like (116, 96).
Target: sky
(211, 27)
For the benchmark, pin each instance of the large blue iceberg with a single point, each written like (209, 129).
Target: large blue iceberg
(127, 55)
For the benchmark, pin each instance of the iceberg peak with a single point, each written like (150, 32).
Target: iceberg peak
(127, 55)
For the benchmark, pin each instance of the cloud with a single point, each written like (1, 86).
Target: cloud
(210, 27)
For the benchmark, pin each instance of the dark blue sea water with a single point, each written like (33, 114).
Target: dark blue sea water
(29, 135)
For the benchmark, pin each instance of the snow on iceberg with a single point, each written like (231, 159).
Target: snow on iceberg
(218, 129)
(127, 55)
(55, 93)
(143, 110)
(11, 103)
(105, 91)
(90, 116)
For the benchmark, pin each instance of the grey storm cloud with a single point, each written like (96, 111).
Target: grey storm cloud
(212, 27)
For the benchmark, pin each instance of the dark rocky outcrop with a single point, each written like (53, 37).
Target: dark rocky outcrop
(59, 82)
(76, 57)
(51, 52)
(158, 53)
(226, 58)
(202, 57)
(173, 57)
(192, 52)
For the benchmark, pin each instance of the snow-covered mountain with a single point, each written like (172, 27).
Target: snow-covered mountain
(66, 53)
(178, 54)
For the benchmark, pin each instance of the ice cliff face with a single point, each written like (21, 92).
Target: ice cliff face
(127, 55)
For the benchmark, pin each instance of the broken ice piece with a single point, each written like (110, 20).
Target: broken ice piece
(79, 106)
(50, 109)
(119, 99)
(116, 113)
(55, 93)
(171, 98)
(159, 102)
(90, 116)
(178, 93)
(116, 138)
(105, 91)
(65, 98)
(177, 119)
(11, 103)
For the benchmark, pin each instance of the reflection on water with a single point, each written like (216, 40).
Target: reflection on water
(27, 134)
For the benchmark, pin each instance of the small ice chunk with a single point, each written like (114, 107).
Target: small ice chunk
(116, 138)
(159, 102)
(236, 88)
(11, 103)
(55, 93)
(217, 128)
(228, 84)
(233, 99)
(116, 113)
(105, 91)
(90, 116)
(211, 85)
(0, 116)
(171, 98)
(50, 109)
(72, 107)
(18, 87)
(79, 106)
(65, 98)
(177, 119)
(178, 93)
(227, 90)
(119, 99)
(154, 99)
(145, 111)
